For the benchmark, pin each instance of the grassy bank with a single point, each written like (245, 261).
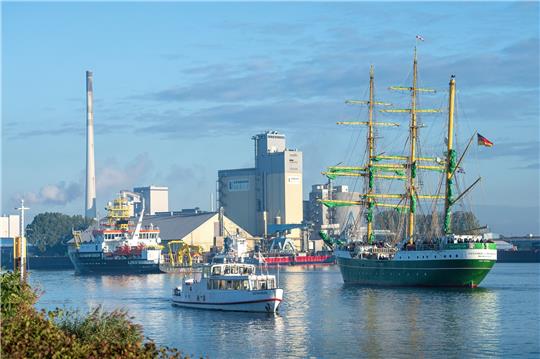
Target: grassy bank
(29, 333)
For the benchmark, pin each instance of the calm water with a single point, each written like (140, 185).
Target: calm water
(322, 318)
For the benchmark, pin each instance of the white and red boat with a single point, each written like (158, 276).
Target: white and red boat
(116, 245)
(230, 287)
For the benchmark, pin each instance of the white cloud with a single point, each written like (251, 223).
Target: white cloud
(114, 177)
(53, 194)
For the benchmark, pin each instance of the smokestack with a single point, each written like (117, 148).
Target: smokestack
(90, 206)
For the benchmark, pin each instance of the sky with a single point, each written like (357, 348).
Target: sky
(180, 88)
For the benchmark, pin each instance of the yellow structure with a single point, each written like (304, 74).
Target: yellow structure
(182, 254)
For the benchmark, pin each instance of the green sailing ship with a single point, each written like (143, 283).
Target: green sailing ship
(446, 260)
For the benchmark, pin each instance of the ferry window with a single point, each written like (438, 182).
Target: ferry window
(263, 284)
(215, 284)
(253, 284)
(209, 284)
(271, 284)
(222, 284)
(245, 285)
(229, 284)
(216, 270)
(234, 270)
(237, 284)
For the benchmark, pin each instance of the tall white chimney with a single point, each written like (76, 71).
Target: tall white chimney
(90, 206)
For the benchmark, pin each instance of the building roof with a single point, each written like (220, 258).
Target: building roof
(237, 172)
(179, 226)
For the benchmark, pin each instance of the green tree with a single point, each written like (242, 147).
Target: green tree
(28, 333)
(50, 231)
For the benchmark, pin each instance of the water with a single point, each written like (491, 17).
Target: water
(322, 318)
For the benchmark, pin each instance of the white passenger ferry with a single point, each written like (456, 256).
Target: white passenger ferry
(232, 287)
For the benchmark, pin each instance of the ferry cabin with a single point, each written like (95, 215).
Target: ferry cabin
(237, 277)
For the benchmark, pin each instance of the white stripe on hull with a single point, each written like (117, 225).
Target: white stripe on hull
(269, 306)
(430, 255)
(487, 254)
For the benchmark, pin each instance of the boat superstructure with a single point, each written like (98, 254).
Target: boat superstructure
(448, 259)
(230, 287)
(117, 244)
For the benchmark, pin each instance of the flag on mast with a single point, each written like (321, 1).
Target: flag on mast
(420, 37)
(482, 141)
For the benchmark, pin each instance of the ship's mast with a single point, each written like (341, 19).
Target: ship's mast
(371, 149)
(373, 169)
(451, 158)
(412, 155)
(411, 161)
(368, 169)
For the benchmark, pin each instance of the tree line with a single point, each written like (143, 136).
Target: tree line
(50, 231)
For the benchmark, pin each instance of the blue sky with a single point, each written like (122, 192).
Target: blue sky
(180, 88)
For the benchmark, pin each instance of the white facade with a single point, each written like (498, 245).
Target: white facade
(156, 199)
(335, 218)
(9, 226)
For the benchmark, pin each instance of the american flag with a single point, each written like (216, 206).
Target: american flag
(419, 37)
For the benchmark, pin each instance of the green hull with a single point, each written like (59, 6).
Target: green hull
(423, 273)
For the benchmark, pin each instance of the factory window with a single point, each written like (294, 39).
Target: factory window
(238, 185)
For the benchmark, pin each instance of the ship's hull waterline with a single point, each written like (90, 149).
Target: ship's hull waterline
(98, 264)
(415, 273)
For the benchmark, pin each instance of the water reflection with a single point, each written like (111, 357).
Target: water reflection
(393, 321)
(321, 317)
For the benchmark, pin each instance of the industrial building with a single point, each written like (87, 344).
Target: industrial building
(334, 219)
(10, 226)
(202, 229)
(156, 199)
(270, 192)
